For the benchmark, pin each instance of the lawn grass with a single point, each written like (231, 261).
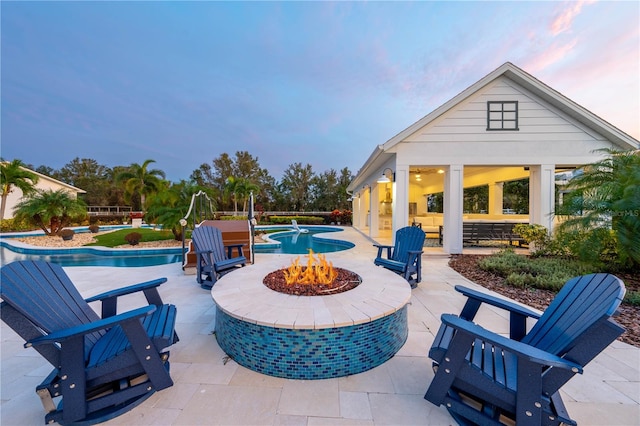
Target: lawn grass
(116, 238)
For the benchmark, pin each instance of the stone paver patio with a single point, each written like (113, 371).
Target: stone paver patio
(209, 389)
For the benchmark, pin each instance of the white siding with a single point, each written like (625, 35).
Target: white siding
(545, 135)
(44, 183)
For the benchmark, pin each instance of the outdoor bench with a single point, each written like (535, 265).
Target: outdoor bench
(474, 232)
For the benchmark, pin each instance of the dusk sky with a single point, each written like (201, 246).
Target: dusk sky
(311, 82)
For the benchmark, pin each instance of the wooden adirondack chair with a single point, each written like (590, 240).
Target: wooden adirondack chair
(405, 258)
(103, 367)
(212, 259)
(488, 379)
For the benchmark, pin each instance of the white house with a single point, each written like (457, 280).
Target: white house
(44, 183)
(507, 126)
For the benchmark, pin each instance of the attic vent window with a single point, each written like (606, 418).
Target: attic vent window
(502, 115)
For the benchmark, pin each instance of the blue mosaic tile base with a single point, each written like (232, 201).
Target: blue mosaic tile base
(312, 354)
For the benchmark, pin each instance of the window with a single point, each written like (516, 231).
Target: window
(435, 202)
(515, 197)
(502, 115)
(476, 199)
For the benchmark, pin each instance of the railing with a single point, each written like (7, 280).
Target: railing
(108, 210)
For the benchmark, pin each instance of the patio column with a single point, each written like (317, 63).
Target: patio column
(401, 199)
(355, 210)
(453, 194)
(542, 195)
(496, 197)
(358, 208)
(374, 206)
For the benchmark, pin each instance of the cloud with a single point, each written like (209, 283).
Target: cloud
(564, 19)
(557, 51)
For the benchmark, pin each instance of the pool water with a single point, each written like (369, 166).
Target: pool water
(79, 257)
(292, 242)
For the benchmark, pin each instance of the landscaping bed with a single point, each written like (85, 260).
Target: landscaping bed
(467, 265)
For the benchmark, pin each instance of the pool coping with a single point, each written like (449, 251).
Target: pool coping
(24, 248)
(242, 295)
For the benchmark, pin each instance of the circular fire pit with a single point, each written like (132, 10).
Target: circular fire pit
(311, 337)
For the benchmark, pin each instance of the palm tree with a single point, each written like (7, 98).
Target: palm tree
(138, 180)
(608, 192)
(244, 190)
(239, 189)
(12, 175)
(167, 207)
(57, 208)
(231, 188)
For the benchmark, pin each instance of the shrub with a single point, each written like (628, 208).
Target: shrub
(12, 225)
(544, 272)
(536, 234)
(133, 238)
(233, 218)
(94, 228)
(335, 216)
(632, 298)
(346, 217)
(302, 220)
(598, 247)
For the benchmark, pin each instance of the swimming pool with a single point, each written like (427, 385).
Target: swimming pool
(292, 242)
(286, 241)
(11, 251)
(90, 256)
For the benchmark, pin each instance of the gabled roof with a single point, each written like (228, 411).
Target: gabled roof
(538, 88)
(527, 81)
(56, 181)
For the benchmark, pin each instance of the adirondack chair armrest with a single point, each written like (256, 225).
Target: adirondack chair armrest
(382, 247)
(203, 251)
(59, 336)
(127, 290)
(230, 248)
(518, 313)
(497, 302)
(109, 299)
(522, 350)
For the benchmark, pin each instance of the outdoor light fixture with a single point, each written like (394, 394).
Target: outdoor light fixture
(384, 178)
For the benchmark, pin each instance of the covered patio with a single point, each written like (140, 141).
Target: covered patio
(460, 162)
(212, 389)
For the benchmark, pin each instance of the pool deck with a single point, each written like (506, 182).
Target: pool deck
(210, 390)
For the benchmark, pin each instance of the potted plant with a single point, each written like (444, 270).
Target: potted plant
(67, 234)
(94, 229)
(133, 238)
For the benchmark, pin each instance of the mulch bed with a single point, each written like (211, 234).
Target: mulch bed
(346, 280)
(467, 265)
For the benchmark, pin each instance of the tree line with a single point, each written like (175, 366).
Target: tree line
(228, 180)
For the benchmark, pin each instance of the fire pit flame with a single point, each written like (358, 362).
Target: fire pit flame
(317, 271)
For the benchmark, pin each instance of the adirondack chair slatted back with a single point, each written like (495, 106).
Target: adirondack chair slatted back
(580, 303)
(44, 294)
(409, 238)
(209, 239)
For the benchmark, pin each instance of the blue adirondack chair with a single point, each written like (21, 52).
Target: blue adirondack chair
(405, 258)
(213, 258)
(484, 378)
(103, 366)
